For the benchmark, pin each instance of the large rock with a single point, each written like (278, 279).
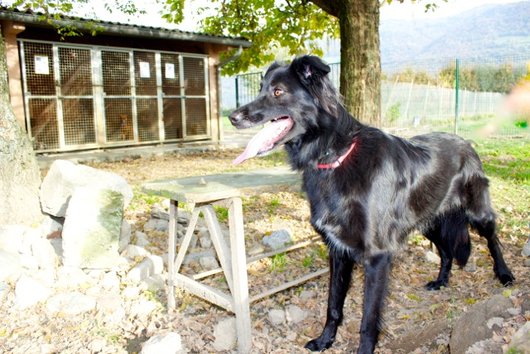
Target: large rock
(478, 317)
(92, 228)
(29, 291)
(64, 177)
(169, 343)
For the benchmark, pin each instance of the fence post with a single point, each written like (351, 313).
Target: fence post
(457, 84)
(237, 91)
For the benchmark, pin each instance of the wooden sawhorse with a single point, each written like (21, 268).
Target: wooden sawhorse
(200, 194)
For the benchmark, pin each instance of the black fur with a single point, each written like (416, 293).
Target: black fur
(385, 188)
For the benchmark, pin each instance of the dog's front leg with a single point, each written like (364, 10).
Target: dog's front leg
(377, 269)
(339, 281)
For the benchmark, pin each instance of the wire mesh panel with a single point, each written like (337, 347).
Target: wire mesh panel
(145, 73)
(118, 119)
(170, 74)
(194, 79)
(43, 121)
(39, 75)
(147, 113)
(75, 71)
(116, 73)
(196, 116)
(172, 118)
(78, 121)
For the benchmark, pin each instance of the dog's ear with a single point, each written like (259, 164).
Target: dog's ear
(273, 66)
(309, 68)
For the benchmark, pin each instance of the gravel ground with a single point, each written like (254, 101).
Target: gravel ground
(410, 308)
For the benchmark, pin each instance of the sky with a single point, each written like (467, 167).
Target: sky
(407, 11)
(410, 11)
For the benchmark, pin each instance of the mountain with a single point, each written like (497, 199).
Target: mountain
(490, 34)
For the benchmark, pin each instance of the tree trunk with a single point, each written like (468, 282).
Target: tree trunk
(360, 77)
(19, 171)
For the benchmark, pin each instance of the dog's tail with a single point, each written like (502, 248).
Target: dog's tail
(456, 229)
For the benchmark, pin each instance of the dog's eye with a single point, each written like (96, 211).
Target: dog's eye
(277, 92)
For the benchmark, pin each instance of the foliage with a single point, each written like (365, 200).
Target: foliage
(54, 11)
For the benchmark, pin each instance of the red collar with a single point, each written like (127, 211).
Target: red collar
(338, 162)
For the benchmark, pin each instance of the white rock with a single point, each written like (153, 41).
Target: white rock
(277, 239)
(295, 314)
(133, 251)
(64, 177)
(125, 235)
(141, 239)
(155, 282)
(432, 257)
(92, 228)
(131, 292)
(110, 307)
(11, 237)
(11, 266)
(72, 277)
(142, 308)
(150, 265)
(170, 343)
(72, 303)
(29, 291)
(110, 281)
(208, 262)
(526, 249)
(44, 253)
(225, 334)
(159, 213)
(49, 227)
(156, 225)
(276, 316)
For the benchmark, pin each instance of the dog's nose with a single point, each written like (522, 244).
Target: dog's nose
(236, 117)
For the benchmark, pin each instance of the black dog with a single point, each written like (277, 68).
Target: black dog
(367, 189)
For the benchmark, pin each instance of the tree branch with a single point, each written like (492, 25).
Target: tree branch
(328, 6)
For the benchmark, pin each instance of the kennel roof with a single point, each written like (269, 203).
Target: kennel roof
(116, 28)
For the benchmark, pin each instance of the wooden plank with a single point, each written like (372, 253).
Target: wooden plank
(289, 284)
(187, 239)
(219, 243)
(205, 292)
(173, 207)
(239, 268)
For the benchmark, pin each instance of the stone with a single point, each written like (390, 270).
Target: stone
(432, 257)
(424, 336)
(477, 317)
(109, 307)
(72, 303)
(169, 343)
(72, 277)
(155, 282)
(526, 249)
(149, 266)
(277, 239)
(51, 227)
(11, 237)
(156, 225)
(4, 290)
(11, 268)
(125, 236)
(159, 213)
(204, 238)
(142, 308)
(276, 316)
(520, 342)
(29, 291)
(92, 228)
(208, 262)
(295, 314)
(141, 239)
(64, 177)
(133, 251)
(110, 281)
(225, 334)
(44, 253)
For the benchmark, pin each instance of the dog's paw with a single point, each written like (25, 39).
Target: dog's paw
(436, 284)
(318, 345)
(506, 279)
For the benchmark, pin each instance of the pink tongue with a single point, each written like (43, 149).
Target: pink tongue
(264, 139)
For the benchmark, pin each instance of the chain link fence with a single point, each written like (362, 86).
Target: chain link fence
(468, 97)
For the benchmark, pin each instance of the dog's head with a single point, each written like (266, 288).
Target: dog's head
(289, 102)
